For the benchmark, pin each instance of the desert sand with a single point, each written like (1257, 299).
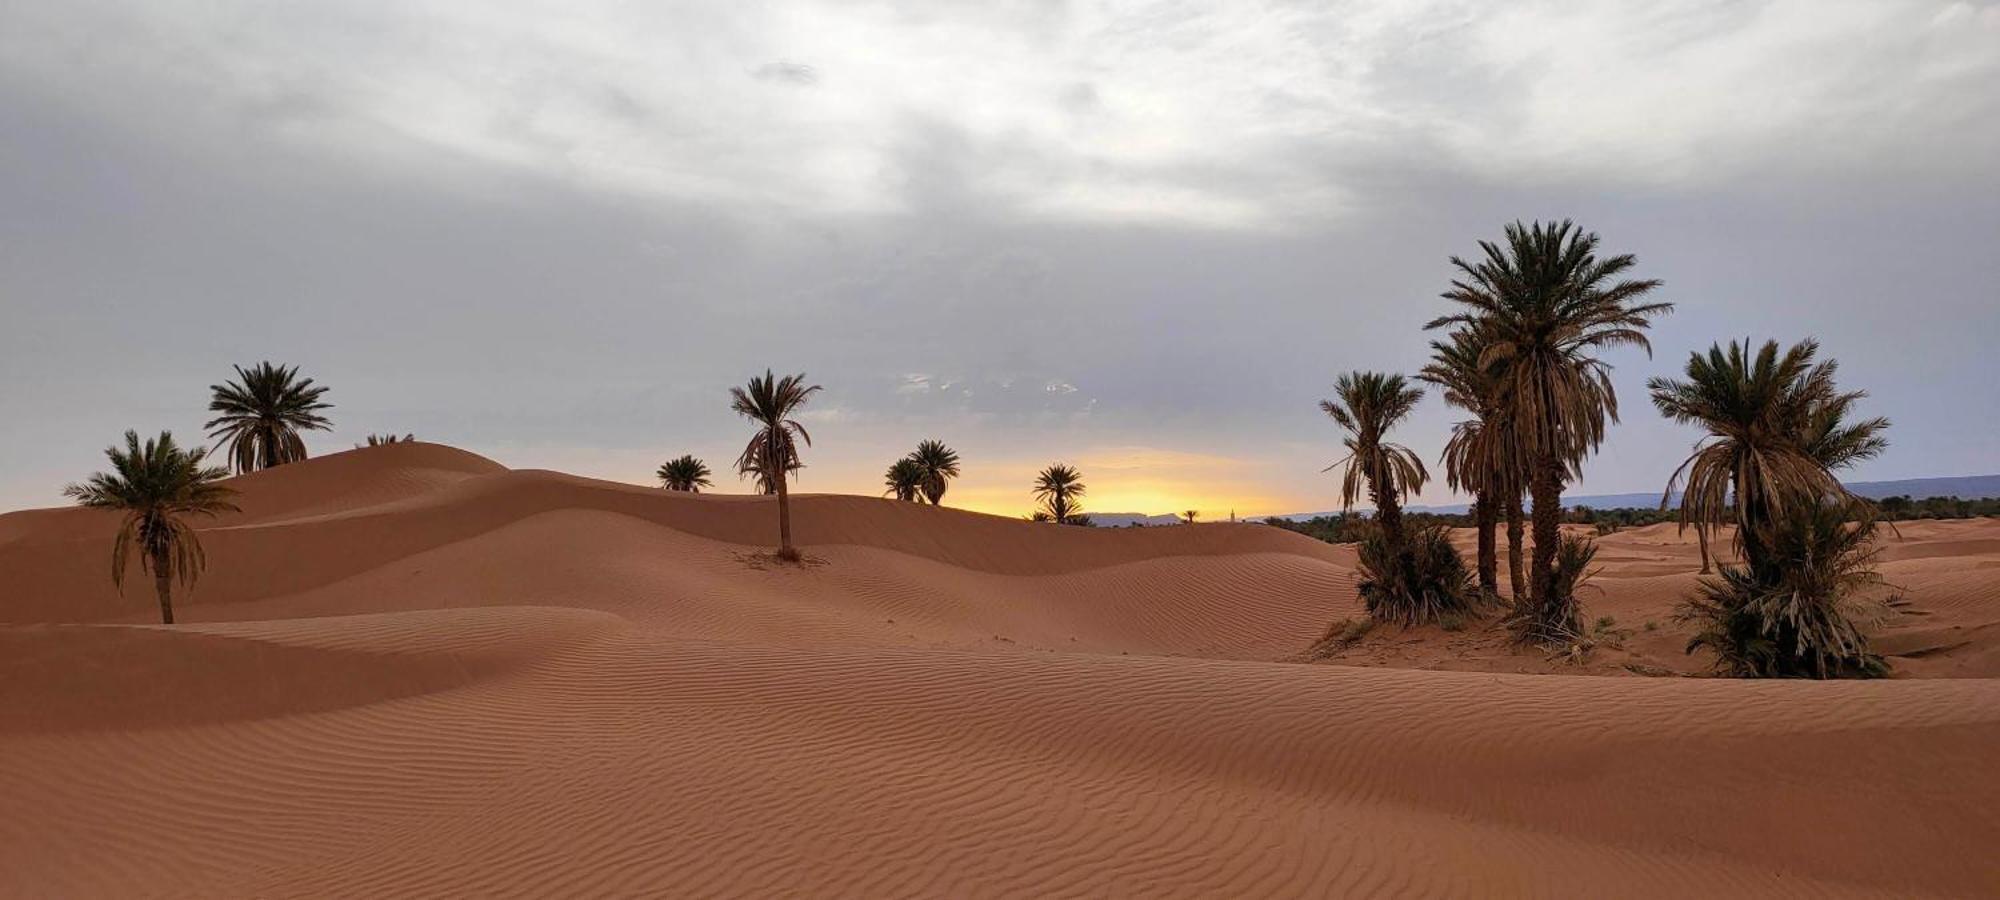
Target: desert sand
(412, 671)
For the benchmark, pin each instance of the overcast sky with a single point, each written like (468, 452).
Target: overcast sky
(1140, 238)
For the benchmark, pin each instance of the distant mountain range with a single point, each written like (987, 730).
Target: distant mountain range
(1965, 487)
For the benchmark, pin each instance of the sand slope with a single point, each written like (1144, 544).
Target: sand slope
(411, 671)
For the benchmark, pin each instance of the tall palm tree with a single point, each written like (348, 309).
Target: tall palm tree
(262, 413)
(1478, 457)
(157, 486)
(1776, 431)
(684, 473)
(1369, 404)
(905, 480)
(939, 465)
(1547, 304)
(773, 453)
(1060, 489)
(1190, 516)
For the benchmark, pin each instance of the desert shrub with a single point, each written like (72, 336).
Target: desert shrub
(1571, 574)
(1802, 614)
(1422, 582)
(1572, 566)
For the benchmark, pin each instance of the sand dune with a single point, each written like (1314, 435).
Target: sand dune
(411, 671)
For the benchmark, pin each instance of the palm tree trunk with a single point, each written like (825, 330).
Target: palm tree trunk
(785, 548)
(163, 584)
(1388, 514)
(1517, 561)
(1553, 616)
(1749, 529)
(1701, 534)
(1487, 518)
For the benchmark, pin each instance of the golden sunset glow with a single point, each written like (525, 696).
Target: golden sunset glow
(1144, 480)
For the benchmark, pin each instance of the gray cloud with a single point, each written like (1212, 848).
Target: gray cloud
(560, 238)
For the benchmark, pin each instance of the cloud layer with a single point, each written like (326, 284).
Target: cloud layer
(556, 232)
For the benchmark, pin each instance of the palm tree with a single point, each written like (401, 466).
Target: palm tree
(684, 473)
(263, 411)
(1370, 404)
(1479, 458)
(381, 440)
(1060, 489)
(1546, 303)
(157, 485)
(1776, 431)
(773, 453)
(939, 464)
(905, 480)
(1189, 516)
(1804, 618)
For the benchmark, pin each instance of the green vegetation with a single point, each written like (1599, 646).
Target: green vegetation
(1369, 404)
(262, 413)
(1777, 430)
(1803, 617)
(158, 486)
(1544, 305)
(1481, 456)
(1407, 578)
(1060, 489)
(905, 480)
(936, 465)
(1420, 580)
(1901, 508)
(684, 473)
(383, 440)
(773, 452)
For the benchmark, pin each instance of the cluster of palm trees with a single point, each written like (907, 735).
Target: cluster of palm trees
(159, 485)
(924, 474)
(1520, 356)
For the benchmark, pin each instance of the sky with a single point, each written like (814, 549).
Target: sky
(1139, 238)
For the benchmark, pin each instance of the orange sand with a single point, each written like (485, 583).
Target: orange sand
(411, 671)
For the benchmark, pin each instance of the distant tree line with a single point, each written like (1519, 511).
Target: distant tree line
(1348, 528)
(1902, 508)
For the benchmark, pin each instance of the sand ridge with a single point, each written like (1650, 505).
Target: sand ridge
(458, 679)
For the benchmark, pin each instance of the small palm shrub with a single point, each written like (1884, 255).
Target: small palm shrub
(1423, 583)
(1802, 615)
(1569, 574)
(1572, 566)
